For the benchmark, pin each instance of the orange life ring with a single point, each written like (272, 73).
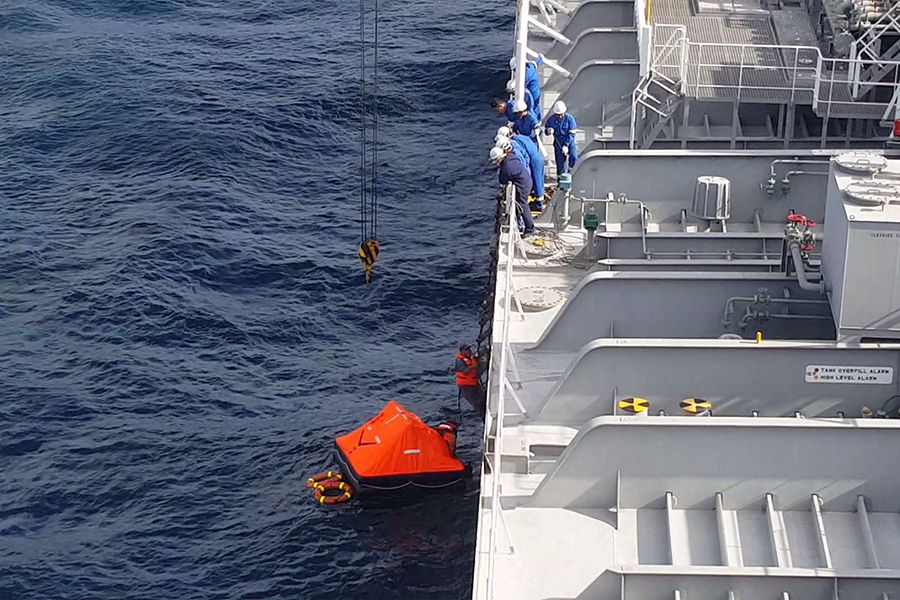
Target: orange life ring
(319, 477)
(345, 491)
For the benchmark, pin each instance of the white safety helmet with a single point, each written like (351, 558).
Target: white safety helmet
(511, 86)
(519, 106)
(502, 142)
(559, 108)
(503, 131)
(496, 154)
(512, 63)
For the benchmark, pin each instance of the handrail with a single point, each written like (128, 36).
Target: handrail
(803, 68)
(501, 394)
(658, 54)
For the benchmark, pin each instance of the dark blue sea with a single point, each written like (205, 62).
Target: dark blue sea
(184, 325)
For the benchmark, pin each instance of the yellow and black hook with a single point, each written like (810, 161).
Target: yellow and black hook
(368, 254)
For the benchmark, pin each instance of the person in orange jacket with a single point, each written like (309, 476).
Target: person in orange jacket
(466, 369)
(448, 431)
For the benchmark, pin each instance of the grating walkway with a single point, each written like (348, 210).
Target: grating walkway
(728, 59)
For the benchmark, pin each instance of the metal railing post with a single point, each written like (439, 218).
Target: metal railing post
(521, 49)
(818, 81)
(634, 109)
(794, 74)
(699, 61)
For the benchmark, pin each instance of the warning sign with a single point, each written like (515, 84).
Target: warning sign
(837, 374)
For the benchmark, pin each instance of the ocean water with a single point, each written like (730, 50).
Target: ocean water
(184, 326)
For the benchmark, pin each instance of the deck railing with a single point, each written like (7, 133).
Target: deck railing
(762, 73)
(494, 420)
(791, 74)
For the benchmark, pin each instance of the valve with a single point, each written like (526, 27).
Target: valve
(799, 230)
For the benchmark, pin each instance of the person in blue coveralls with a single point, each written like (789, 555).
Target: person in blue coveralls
(563, 126)
(525, 122)
(532, 82)
(512, 170)
(531, 156)
(505, 108)
(529, 99)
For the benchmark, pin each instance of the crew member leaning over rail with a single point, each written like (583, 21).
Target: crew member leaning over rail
(532, 81)
(512, 170)
(528, 152)
(525, 122)
(504, 108)
(533, 107)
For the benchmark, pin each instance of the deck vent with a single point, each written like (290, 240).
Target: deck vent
(860, 162)
(712, 198)
(538, 297)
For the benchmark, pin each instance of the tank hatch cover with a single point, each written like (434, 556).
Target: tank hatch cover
(873, 192)
(538, 297)
(860, 162)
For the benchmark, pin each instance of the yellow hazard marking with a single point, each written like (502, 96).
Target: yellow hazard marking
(368, 254)
(634, 405)
(695, 405)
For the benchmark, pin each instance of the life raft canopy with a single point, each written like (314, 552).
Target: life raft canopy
(395, 450)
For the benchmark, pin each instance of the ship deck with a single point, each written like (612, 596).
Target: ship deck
(764, 498)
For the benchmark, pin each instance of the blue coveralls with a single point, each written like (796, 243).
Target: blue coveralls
(533, 84)
(562, 126)
(508, 113)
(526, 125)
(529, 103)
(534, 160)
(513, 170)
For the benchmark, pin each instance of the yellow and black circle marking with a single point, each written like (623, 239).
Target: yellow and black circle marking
(695, 406)
(368, 254)
(634, 405)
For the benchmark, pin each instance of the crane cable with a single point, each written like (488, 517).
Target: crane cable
(368, 192)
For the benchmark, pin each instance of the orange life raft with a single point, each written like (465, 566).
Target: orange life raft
(397, 450)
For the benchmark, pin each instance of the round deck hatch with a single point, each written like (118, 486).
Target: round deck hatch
(860, 162)
(537, 297)
(872, 193)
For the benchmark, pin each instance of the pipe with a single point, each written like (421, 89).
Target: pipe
(787, 176)
(794, 161)
(550, 32)
(552, 64)
(645, 215)
(802, 279)
(761, 299)
(560, 7)
(753, 315)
